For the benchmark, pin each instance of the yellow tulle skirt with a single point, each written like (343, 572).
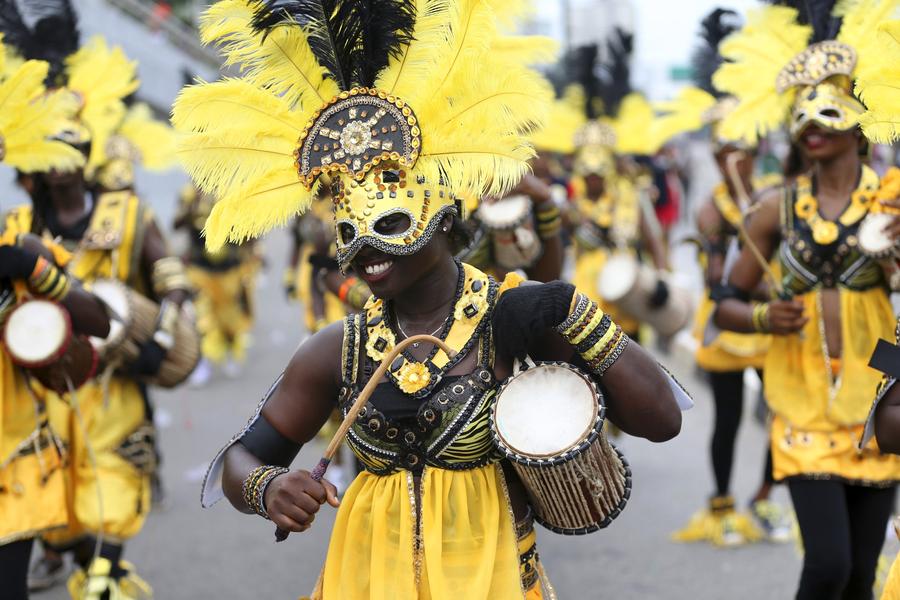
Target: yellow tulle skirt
(464, 547)
(224, 316)
(588, 265)
(727, 351)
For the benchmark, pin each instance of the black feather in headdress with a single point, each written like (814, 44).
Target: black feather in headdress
(705, 60)
(352, 39)
(616, 71)
(818, 14)
(52, 38)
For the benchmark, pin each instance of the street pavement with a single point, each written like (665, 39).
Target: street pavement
(187, 552)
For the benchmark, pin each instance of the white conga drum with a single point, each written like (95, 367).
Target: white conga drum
(515, 241)
(629, 284)
(873, 241)
(547, 419)
(38, 337)
(115, 296)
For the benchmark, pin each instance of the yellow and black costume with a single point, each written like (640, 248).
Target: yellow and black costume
(784, 71)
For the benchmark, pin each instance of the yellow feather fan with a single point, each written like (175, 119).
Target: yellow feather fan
(878, 86)
(29, 117)
(473, 110)
(101, 77)
(753, 57)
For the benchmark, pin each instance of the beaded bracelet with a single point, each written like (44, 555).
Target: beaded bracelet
(254, 488)
(549, 222)
(49, 281)
(595, 336)
(759, 318)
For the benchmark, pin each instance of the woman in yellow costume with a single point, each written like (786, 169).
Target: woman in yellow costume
(416, 112)
(224, 283)
(606, 215)
(32, 494)
(112, 235)
(723, 355)
(832, 304)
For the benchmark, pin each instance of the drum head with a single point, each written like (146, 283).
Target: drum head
(36, 332)
(618, 277)
(113, 294)
(545, 411)
(505, 213)
(872, 238)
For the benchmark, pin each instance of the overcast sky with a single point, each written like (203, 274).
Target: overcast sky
(665, 31)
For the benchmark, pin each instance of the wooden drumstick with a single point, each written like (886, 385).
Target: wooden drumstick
(319, 471)
(731, 166)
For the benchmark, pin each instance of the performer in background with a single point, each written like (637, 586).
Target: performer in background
(434, 514)
(225, 286)
(832, 301)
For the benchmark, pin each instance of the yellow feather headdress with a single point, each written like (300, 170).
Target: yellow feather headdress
(430, 114)
(30, 117)
(691, 110)
(139, 140)
(878, 86)
(771, 61)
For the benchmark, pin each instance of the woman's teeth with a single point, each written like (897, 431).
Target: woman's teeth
(378, 268)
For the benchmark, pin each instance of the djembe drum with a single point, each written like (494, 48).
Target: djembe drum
(547, 419)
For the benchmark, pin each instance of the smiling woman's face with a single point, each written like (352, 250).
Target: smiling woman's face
(388, 275)
(820, 144)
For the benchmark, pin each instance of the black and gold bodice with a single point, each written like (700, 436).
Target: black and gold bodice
(815, 251)
(424, 414)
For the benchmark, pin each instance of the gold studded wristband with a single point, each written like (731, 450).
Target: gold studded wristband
(254, 487)
(594, 335)
(169, 275)
(759, 318)
(48, 281)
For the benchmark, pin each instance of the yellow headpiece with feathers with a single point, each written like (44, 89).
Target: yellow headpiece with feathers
(775, 70)
(400, 116)
(30, 117)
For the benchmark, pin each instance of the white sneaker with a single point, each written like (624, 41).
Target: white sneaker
(232, 369)
(201, 375)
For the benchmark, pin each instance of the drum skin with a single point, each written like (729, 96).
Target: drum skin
(576, 480)
(71, 363)
(628, 284)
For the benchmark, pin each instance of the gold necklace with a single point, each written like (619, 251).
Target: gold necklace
(825, 231)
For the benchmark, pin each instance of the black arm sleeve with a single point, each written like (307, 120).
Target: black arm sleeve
(263, 441)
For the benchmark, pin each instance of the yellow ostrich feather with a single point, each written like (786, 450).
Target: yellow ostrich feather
(527, 49)
(562, 123)
(635, 126)
(877, 86)
(859, 27)
(29, 117)
(153, 139)
(687, 112)
(754, 56)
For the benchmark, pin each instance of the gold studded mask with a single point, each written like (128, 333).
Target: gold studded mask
(828, 105)
(367, 142)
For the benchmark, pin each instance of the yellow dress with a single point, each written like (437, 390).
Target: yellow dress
(32, 487)
(113, 493)
(454, 537)
(609, 225)
(819, 416)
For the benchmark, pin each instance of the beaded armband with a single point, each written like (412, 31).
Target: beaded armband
(169, 275)
(48, 281)
(7, 302)
(595, 336)
(760, 318)
(549, 222)
(254, 488)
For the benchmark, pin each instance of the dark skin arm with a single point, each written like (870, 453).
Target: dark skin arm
(154, 249)
(785, 316)
(298, 409)
(887, 421)
(710, 225)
